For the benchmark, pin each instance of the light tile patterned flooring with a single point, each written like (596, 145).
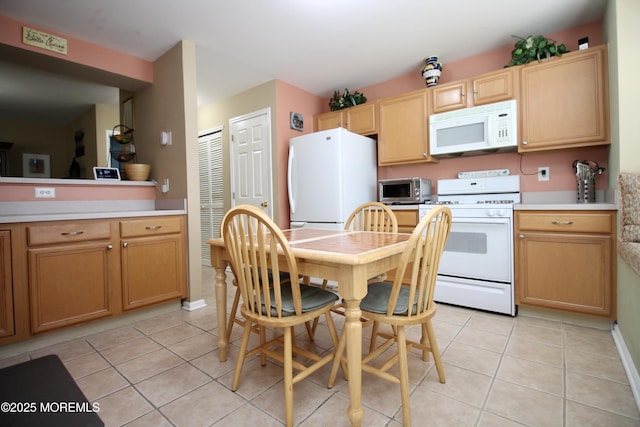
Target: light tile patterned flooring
(501, 371)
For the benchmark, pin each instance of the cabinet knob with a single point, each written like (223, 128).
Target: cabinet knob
(462, 93)
(521, 236)
(524, 142)
(561, 222)
(153, 227)
(72, 233)
(109, 246)
(264, 204)
(125, 244)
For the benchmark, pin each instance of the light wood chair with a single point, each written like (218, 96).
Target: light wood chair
(369, 216)
(234, 319)
(256, 247)
(400, 306)
(372, 216)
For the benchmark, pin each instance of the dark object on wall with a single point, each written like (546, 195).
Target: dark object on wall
(296, 121)
(79, 138)
(47, 395)
(74, 169)
(4, 157)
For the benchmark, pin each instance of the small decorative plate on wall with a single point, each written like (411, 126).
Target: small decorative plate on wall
(296, 121)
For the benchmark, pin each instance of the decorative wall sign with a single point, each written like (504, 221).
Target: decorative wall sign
(35, 166)
(297, 121)
(44, 40)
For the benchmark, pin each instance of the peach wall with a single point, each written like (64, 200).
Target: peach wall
(290, 99)
(561, 176)
(561, 173)
(477, 64)
(66, 192)
(80, 52)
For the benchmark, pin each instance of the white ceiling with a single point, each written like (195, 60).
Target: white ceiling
(317, 45)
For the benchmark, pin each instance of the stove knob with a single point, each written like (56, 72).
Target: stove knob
(490, 213)
(499, 213)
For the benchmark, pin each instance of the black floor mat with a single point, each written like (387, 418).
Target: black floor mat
(41, 392)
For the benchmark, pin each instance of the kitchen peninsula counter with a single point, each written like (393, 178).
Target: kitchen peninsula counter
(77, 199)
(113, 248)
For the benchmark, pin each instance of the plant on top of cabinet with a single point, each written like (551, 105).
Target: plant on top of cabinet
(345, 100)
(532, 48)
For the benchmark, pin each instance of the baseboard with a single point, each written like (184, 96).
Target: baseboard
(627, 362)
(193, 305)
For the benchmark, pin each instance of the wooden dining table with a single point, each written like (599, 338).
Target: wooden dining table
(347, 257)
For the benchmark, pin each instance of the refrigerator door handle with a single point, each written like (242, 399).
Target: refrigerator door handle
(292, 203)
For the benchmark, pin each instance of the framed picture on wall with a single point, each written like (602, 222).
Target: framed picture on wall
(36, 166)
(128, 113)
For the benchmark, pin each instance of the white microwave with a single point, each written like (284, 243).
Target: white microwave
(491, 128)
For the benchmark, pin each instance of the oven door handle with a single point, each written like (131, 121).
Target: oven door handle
(481, 220)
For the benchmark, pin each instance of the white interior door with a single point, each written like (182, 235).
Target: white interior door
(211, 188)
(250, 150)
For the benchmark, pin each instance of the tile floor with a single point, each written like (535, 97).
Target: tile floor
(501, 371)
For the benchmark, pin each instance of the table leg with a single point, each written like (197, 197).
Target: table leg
(221, 311)
(354, 360)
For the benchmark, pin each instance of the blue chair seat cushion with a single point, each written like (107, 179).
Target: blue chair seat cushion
(377, 299)
(312, 298)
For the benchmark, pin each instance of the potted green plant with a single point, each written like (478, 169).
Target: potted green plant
(535, 48)
(345, 100)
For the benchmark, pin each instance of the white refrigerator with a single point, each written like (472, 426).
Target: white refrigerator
(330, 173)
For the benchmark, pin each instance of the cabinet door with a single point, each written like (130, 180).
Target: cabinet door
(153, 270)
(407, 220)
(70, 284)
(403, 130)
(449, 96)
(327, 121)
(494, 87)
(6, 285)
(564, 102)
(361, 119)
(565, 271)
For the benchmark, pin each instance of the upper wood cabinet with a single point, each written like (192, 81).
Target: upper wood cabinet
(564, 102)
(487, 88)
(403, 132)
(360, 119)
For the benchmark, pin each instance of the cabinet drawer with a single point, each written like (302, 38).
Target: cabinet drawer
(407, 220)
(150, 227)
(566, 222)
(65, 232)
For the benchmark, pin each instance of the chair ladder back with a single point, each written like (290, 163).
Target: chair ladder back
(422, 255)
(372, 216)
(254, 245)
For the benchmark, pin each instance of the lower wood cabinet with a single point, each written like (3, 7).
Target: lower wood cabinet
(71, 273)
(566, 260)
(6, 285)
(407, 220)
(153, 261)
(61, 273)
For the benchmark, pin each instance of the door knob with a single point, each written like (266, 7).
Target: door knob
(264, 204)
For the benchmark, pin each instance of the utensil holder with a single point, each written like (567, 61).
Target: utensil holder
(587, 190)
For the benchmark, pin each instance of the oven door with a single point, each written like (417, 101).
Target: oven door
(479, 248)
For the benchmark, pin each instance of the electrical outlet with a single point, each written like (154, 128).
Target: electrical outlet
(45, 192)
(543, 173)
